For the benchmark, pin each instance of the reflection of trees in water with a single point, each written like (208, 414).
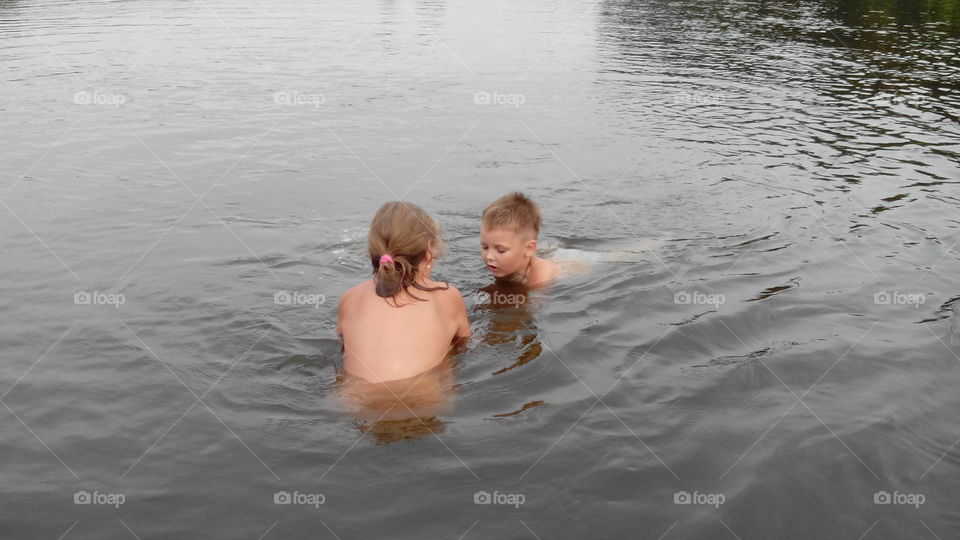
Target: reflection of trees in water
(507, 307)
(848, 68)
(908, 48)
(880, 12)
(764, 15)
(710, 34)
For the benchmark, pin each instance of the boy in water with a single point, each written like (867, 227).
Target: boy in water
(508, 242)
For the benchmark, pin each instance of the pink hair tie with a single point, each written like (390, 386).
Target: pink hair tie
(386, 259)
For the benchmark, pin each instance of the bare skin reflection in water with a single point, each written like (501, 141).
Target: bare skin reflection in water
(511, 320)
(401, 409)
(509, 309)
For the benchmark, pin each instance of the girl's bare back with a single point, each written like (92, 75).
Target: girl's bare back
(383, 342)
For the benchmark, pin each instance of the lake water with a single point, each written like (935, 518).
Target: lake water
(184, 193)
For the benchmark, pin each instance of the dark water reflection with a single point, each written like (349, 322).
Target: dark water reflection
(767, 193)
(508, 311)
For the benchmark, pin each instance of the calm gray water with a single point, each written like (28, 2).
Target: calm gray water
(785, 361)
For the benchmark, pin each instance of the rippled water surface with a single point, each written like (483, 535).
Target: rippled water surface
(767, 193)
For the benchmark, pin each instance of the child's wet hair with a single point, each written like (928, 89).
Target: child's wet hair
(514, 211)
(406, 233)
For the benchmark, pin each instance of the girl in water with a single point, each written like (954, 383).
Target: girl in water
(400, 323)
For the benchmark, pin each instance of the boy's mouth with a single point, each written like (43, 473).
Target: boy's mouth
(491, 267)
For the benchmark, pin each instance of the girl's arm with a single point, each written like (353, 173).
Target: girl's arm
(460, 315)
(340, 311)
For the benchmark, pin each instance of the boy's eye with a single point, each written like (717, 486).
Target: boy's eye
(500, 250)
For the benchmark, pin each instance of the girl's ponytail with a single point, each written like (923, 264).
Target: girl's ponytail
(391, 275)
(401, 235)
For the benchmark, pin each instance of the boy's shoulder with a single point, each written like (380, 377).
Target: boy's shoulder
(547, 264)
(544, 272)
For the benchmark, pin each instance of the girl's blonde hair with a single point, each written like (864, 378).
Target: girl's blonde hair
(406, 233)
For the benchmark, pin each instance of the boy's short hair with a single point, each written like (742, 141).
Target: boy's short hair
(514, 211)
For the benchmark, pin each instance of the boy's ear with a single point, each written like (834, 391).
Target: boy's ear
(531, 248)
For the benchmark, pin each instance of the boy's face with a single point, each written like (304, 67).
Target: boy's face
(505, 252)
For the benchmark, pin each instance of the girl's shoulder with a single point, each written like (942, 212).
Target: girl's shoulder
(452, 298)
(358, 290)
(445, 289)
(433, 283)
(443, 293)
